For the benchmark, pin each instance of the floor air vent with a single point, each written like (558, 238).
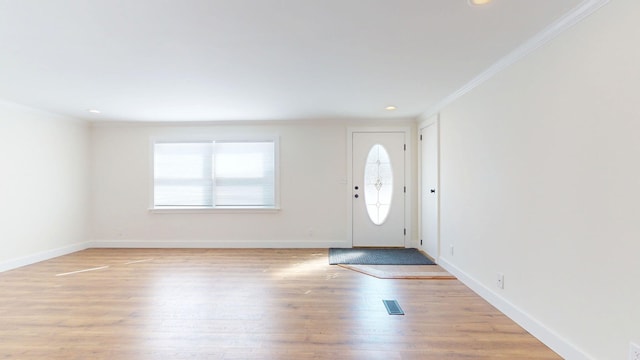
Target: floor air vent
(393, 308)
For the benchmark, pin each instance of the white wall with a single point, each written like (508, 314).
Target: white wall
(540, 171)
(312, 181)
(43, 185)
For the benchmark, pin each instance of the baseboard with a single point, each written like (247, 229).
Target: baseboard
(547, 336)
(212, 244)
(41, 256)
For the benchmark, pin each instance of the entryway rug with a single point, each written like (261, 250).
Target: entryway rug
(377, 256)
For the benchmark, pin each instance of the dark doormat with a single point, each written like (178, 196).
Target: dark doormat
(359, 256)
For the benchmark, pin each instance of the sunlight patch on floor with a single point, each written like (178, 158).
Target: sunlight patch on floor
(303, 268)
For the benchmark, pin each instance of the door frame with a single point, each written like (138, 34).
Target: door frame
(408, 179)
(433, 120)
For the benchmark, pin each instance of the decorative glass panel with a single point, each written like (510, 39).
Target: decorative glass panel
(378, 184)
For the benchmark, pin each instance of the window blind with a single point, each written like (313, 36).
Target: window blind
(214, 174)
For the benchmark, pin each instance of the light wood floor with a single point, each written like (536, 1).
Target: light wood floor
(402, 271)
(241, 304)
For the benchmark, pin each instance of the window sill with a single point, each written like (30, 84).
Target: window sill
(214, 210)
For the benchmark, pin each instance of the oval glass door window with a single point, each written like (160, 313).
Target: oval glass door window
(378, 184)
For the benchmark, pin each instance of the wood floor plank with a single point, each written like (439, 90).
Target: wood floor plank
(241, 304)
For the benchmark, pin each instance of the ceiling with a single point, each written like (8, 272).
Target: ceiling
(210, 60)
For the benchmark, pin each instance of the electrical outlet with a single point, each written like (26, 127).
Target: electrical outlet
(634, 351)
(500, 282)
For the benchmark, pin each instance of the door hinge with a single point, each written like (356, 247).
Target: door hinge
(420, 137)
(405, 231)
(405, 147)
(420, 241)
(405, 189)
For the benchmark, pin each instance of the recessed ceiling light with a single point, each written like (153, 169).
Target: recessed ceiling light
(94, 111)
(479, 2)
(390, 108)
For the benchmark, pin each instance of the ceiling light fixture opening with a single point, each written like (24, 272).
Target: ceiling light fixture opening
(94, 111)
(390, 108)
(478, 2)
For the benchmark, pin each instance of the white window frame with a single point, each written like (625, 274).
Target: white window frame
(216, 209)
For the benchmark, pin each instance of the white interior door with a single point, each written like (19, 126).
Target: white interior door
(378, 189)
(430, 193)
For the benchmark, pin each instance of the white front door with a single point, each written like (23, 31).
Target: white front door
(378, 189)
(429, 166)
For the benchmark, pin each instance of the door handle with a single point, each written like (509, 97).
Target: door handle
(433, 191)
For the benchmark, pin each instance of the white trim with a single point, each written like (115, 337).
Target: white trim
(424, 122)
(218, 244)
(435, 121)
(579, 13)
(112, 123)
(13, 106)
(41, 256)
(547, 336)
(408, 179)
(213, 210)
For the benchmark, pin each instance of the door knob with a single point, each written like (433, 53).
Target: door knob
(356, 196)
(356, 187)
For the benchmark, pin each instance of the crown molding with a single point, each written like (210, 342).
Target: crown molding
(573, 17)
